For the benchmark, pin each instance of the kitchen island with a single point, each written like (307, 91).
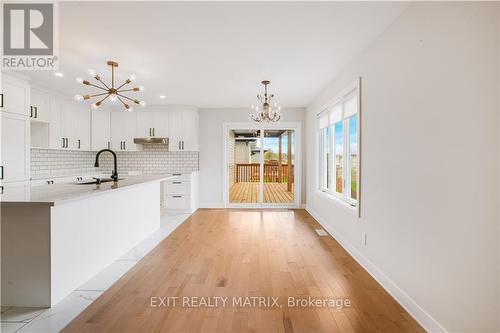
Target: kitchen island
(56, 237)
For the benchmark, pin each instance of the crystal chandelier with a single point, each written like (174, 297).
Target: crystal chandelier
(110, 90)
(266, 113)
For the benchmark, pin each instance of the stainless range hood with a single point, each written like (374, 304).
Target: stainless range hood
(151, 141)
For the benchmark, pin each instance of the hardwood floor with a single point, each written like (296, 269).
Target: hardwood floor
(246, 253)
(248, 192)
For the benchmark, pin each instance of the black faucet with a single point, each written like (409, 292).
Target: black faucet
(114, 175)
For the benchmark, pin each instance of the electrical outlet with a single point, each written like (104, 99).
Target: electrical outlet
(364, 237)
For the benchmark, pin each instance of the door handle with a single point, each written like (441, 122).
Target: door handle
(36, 111)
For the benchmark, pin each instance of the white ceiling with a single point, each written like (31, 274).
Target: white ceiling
(215, 54)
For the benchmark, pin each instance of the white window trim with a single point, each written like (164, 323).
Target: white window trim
(353, 206)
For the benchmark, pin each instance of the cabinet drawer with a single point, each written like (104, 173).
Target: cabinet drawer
(177, 202)
(181, 176)
(177, 187)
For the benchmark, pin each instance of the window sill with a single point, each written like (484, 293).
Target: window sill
(344, 204)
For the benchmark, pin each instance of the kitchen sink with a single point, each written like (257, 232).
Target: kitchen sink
(94, 181)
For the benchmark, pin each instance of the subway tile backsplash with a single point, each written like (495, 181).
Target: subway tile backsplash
(46, 163)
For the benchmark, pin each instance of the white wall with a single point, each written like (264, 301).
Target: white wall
(430, 168)
(211, 147)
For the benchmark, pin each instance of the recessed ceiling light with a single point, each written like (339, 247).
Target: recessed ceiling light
(163, 96)
(59, 74)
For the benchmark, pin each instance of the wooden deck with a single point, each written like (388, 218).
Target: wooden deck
(248, 192)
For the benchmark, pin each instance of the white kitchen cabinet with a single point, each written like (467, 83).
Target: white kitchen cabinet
(123, 130)
(152, 124)
(56, 140)
(15, 96)
(183, 130)
(181, 193)
(69, 125)
(39, 105)
(15, 147)
(82, 127)
(101, 129)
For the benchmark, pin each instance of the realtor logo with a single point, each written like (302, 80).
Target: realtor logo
(29, 36)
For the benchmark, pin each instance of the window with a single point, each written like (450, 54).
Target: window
(339, 149)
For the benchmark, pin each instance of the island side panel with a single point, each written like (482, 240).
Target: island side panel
(89, 234)
(25, 230)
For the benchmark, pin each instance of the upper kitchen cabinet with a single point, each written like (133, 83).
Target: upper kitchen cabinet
(101, 129)
(69, 125)
(123, 130)
(15, 95)
(183, 130)
(152, 124)
(15, 147)
(39, 105)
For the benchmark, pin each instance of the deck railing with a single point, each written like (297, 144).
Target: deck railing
(251, 173)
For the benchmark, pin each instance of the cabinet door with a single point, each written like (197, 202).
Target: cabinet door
(145, 124)
(190, 131)
(175, 130)
(55, 132)
(69, 125)
(123, 130)
(15, 147)
(82, 128)
(160, 124)
(39, 106)
(101, 137)
(16, 96)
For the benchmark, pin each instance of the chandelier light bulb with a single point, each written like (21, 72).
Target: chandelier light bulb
(78, 98)
(95, 106)
(142, 103)
(141, 88)
(132, 78)
(92, 72)
(113, 97)
(79, 80)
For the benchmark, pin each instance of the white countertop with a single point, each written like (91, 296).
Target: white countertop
(56, 194)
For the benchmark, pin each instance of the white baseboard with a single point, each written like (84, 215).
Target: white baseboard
(419, 314)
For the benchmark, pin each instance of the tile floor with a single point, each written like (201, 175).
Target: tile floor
(24, 320)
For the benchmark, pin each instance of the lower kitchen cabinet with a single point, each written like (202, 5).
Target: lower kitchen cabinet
(15, 147)
(181, 193)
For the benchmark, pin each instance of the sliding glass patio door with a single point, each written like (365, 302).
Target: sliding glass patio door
(260, 167)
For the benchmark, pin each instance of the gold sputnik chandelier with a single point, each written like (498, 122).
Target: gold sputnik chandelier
(266, 113)
(110, 90)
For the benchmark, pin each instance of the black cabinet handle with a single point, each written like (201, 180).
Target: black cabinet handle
(1, 100)
(31, 112)
(36, 111)
(79, 144)
(63, 141)
(153, 131)
(1, 173)
(150, 131)
(177, 196)
(125, 145)
(176, 174)
(179, 145)
(109, 144)
(177, 183)
(182, 145)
